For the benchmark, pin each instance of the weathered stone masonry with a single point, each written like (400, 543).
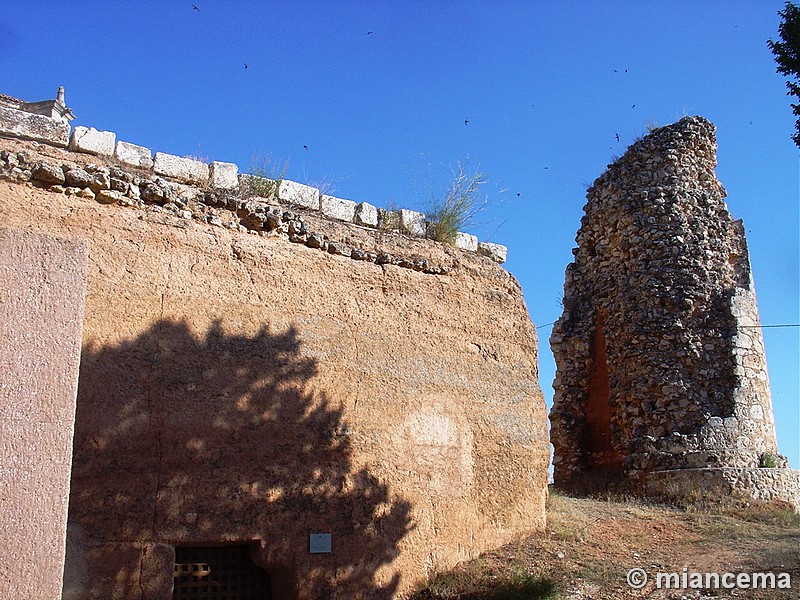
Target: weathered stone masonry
(660, 357)
(173, 182)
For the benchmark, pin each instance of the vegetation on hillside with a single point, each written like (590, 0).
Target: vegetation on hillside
(591, 544)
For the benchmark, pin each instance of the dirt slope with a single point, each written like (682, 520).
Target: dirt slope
(590, 545)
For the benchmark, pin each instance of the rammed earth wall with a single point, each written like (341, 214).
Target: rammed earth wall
(659, 353)
(254, 372)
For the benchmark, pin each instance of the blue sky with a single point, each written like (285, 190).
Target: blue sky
(543, 86)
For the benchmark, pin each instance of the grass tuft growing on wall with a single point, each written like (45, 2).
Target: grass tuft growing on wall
(263, 178)
(462, 201)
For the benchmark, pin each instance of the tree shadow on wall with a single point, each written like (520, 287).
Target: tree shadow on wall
(190, 441)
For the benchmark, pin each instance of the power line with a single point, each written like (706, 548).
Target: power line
(740, 326)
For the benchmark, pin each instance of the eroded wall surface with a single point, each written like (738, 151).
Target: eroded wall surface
(41, 314)
(659, 353)
(240, 388)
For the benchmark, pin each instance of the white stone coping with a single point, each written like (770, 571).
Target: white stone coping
(338, 208)
(185, 170)
(223, 175)
(219, 175)
(366, 214)
(133, 155)
(29, 126)
(497, 252)
(466, 241)
(299, 194)
(412, 222)
(92, 141)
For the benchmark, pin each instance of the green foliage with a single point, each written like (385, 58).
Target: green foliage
(523, 586)
(263, 178)
(767, 461)
(463, 200)
(787, 55)
(389, 217)
(478, 584)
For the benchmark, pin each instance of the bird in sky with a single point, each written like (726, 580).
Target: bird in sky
(518, 194)
(194, 6)
(369, 33)
(466, 121)
(304, 146)
(245, 66)
(616, 134)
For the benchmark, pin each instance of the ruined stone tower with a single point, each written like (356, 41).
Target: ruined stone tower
(661, 370)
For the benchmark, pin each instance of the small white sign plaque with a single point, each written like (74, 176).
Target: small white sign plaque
(319, 543)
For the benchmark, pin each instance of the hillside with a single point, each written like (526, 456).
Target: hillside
(590, 545)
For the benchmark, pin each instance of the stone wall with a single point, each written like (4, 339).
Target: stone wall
(763, 484)
(158, 176)
(659, 353)
(255, 372)
(41, 312)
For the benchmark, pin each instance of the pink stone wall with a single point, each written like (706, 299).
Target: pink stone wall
(42, 285)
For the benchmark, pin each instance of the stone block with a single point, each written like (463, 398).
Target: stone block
(412, 222)
(465, 241)
(338, 208)
(299, 194)
(223, 175)
(20, 124)
(136, 156)
(92, 141)
(366, 214)
(47, 173)
(41, 316)
(185, 170)
(109, 196)
(496, 252)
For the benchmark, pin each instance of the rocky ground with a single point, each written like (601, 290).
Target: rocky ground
(591, 544)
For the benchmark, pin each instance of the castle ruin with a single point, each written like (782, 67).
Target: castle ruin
(299, 396)
(661, 379)
(279, 394)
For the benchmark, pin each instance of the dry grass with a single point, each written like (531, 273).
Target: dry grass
(461, 203)
(263, 178)
(590, 544)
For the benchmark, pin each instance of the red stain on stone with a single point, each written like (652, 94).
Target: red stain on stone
(600, 452)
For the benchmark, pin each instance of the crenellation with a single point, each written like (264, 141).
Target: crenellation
(412, 222)
(365, 214)
(29, 126)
